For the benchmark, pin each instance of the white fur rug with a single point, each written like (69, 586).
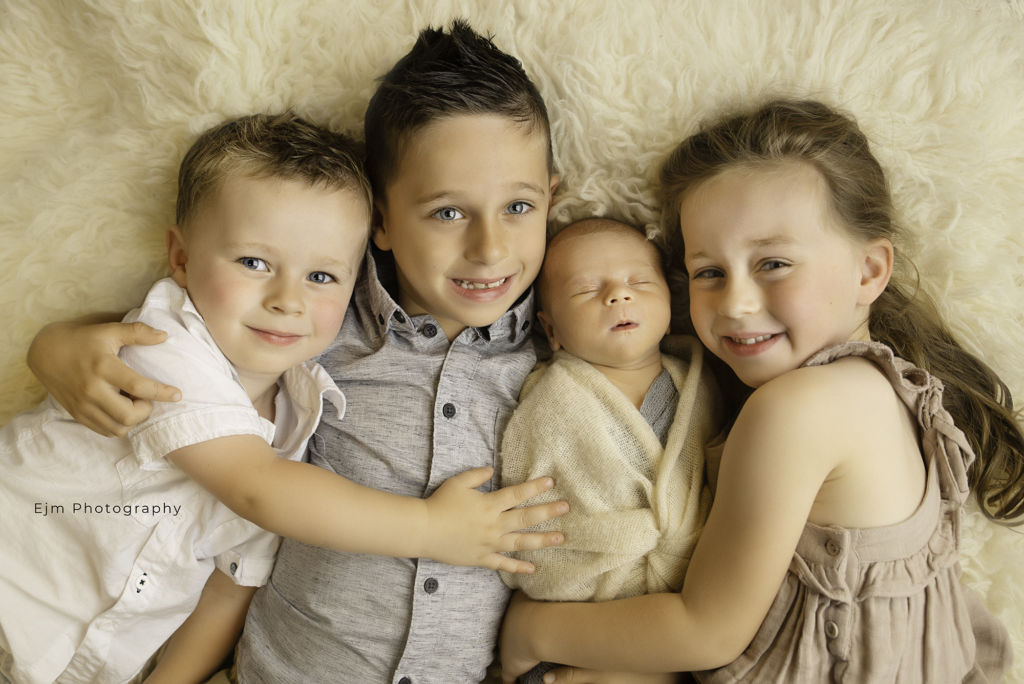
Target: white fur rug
(99, 100)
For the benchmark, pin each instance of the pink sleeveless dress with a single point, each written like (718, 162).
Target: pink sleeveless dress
(883, 604)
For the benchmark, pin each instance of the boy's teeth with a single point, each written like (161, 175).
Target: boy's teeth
(751, 340)
(473, 285)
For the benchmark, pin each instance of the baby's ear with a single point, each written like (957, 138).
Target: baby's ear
(876, 270)
(549, 331)
(177, 254)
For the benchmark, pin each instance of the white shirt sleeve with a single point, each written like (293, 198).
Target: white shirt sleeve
(213, 403)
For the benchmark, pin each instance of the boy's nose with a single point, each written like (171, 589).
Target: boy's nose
(486, 242)
(285, 297)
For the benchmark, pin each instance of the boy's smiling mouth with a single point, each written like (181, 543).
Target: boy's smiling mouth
(482, 290)
(480, 284)
(275, 337)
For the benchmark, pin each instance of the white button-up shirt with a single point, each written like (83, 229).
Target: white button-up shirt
(106, 544)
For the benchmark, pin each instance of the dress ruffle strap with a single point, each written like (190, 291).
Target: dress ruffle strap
(923, 393)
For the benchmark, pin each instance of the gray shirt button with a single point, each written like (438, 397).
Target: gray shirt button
(430, 330)
(430, 586)
(448, 410)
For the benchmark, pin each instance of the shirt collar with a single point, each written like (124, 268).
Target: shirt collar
(379, 287)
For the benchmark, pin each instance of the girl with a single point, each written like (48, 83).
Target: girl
(831, 548)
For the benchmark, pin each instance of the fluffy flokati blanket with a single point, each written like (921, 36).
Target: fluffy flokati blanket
(100, 98)
(636, 507)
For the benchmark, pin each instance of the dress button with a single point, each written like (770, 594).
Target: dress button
(399, 317)
(430, 330)
(448, 410)
(405, 680)
(430, 586)
(233, 567)
(831, 629)
(832, 547)
(380, 318)
(526, 326)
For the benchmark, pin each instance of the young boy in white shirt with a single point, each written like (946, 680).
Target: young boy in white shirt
(113, 545)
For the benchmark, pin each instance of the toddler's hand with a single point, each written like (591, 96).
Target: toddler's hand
(78, 364)
(576, 675)
(468, 527)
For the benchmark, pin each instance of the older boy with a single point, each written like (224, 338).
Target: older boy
(432, 354)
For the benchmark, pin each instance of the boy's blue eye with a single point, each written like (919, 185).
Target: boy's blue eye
(448, 214)
(321, 278)
(253, 264)
(518, 207)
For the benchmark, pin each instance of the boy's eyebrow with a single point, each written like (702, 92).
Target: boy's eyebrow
(512, 188)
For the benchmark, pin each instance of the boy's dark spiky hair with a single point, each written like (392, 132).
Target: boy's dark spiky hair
(446, 73)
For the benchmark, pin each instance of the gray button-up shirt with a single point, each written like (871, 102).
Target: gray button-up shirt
(419, 411)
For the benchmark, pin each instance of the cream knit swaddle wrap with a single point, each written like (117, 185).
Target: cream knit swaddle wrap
(636, 508)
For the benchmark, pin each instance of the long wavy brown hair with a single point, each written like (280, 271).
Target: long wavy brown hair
(903, 317)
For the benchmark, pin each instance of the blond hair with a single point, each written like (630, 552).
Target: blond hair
(268, 146)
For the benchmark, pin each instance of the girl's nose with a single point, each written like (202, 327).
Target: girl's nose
(740, 297)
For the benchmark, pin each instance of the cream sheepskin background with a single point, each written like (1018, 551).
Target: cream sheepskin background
(100, 99)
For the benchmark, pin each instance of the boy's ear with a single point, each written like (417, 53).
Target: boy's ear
(177, 255)
(549, 331)
(378, 232)
(876, 269)
(552, 187)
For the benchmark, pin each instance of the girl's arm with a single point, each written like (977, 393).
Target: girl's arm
(458, 524)
(772, 469)
(204, 640)
(77, 363)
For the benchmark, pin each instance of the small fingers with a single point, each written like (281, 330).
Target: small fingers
(139, 333)
(513, 495)
(522, 518)
(531, 541)
(497, 561)
(140, 387)
(472, 478)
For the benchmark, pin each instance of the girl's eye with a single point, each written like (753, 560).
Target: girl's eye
(447, 214)
(706, 274)
(773, 265)
(254, 264)
(321, 278)
(518, 207)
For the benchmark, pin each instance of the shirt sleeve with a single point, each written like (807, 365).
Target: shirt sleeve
(213, 403)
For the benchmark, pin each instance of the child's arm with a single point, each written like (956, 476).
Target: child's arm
(77, 363)
(772, 469)
(458, 524)
(204, 640)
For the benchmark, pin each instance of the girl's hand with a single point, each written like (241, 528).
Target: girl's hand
(465, 526)
(575, 675)
(513, 642)
(78, 364)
